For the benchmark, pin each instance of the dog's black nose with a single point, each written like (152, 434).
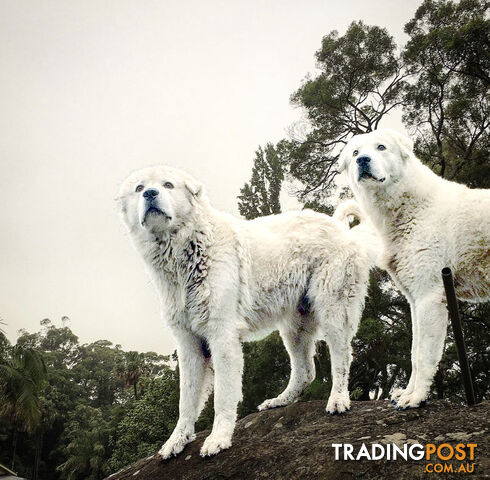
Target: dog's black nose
(150, 193)
(363, 160)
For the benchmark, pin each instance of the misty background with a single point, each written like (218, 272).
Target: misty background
(90, 91)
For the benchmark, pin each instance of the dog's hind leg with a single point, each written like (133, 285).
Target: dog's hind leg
(340, 328)
(299, 340)
(398, 392)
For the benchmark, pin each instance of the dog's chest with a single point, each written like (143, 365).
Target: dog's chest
(182, 283)
(413, 254)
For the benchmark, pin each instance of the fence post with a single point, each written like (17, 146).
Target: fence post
(452, 305)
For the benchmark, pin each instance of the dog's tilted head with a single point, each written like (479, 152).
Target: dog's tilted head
(157, 200)
(376, 158)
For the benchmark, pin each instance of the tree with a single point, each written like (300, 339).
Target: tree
(130, 368)
(361, 80)
(382, 343)
(82, 403)
(447, 110)
(22, 374)
(446, 104)
(266, 372)
(148, 422)
(261, 196)
(87, 438)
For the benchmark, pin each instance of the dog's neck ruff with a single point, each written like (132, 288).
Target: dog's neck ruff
(166, 252)
(393, 207)
(178, 261)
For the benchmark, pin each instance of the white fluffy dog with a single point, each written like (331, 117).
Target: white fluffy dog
(223, 280)
(425, 223)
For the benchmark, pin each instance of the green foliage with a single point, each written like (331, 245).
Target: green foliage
(447, 99)
(22, 373)
(361, 80)
(148, 421)
(266, 372)
(87, 438)
(261, 196)
(79, 405)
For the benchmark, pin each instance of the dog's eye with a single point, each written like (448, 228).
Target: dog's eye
(139, 188)
(168, 185)
(381, 147)
(355, 153)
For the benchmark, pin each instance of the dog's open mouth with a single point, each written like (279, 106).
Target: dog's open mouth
(366, 175)
(155, 212)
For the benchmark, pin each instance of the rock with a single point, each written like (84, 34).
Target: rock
(399, 438)
(295, 442)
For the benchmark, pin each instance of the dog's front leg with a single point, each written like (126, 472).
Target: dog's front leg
(194, 375)
(431, 315)
(226, 352)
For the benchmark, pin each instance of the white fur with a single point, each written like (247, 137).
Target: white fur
(223, 281)
(425, 223)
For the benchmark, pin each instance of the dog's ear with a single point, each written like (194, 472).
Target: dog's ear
(342, 160)
(121, 203)
(405, 143)
(195, 188)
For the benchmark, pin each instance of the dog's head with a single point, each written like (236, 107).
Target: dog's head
(158, 200)
(376, 159)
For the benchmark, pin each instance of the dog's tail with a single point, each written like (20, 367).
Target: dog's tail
(364, 234)
(349, 208)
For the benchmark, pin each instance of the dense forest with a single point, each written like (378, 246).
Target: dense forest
(82, 411)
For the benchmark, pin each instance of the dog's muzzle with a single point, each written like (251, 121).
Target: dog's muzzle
(152, 208)
(364, 169)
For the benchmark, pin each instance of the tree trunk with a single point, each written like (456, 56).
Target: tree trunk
(365, 393)
(439, 383)
(14, 449)
(37, 456)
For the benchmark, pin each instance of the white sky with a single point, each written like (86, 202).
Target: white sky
(91, 90)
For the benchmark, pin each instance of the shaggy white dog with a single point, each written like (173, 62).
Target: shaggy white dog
(425, 223)
(223, 281)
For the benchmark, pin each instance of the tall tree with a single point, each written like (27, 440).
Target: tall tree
(130, 367)
(361, 80)
(87, 445)
(447, 102)
(22, 374)
(261, 196)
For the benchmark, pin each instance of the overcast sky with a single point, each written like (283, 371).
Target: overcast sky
(91, 90)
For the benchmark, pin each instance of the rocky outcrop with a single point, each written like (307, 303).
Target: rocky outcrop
(295, 442)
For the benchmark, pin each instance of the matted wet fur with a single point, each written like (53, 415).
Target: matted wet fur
(223, 280)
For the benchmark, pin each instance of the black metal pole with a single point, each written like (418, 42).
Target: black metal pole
(452, 305)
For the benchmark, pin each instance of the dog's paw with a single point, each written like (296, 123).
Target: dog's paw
(338, 403)
(272, 403)
(396, 394)
(214, 443)
(174, 445)
(415, 399)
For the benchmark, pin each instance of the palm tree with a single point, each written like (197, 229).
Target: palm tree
(130, 369)
(86, 457)
(87, 437)
(22, 373)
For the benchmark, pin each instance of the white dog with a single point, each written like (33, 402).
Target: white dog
(425, 223)
(222, 281)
